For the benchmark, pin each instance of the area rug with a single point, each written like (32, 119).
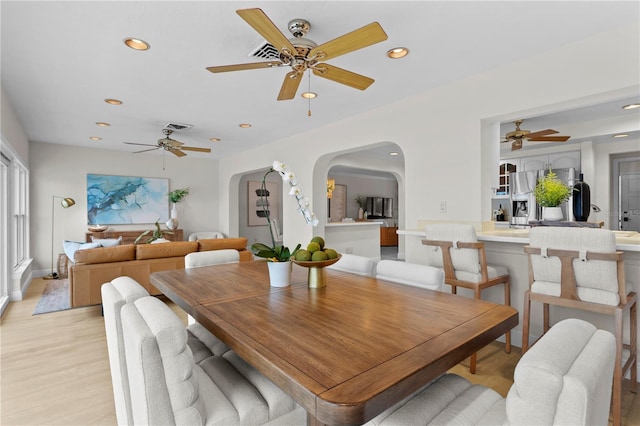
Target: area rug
(55, 297)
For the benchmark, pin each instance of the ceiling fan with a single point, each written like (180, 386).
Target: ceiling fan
(302, 54)
(517, 136)
(173, 146)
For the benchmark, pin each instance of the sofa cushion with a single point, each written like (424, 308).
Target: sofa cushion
(107, 242)
(222, 243)
(71, 247)
(174, 249)
(105, 254)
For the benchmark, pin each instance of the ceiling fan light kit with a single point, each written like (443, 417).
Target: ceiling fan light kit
(302, 54)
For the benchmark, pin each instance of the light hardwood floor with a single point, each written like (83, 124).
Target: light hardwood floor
(54, 368)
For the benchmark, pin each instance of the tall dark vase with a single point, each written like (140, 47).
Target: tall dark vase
(581, 200)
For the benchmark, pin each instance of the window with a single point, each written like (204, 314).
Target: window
(20, 214)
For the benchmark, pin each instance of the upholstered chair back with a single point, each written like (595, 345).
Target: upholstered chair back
(202, 235)
(463, 259)
(412, 274)
(565, 378)
(211, 257)
(355, 264)
(164, 386)
(596, 280)
(115, 295)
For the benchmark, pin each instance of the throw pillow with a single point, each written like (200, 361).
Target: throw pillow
(70, 248)
(107, 242)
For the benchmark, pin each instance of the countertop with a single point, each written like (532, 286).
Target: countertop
(625, 240)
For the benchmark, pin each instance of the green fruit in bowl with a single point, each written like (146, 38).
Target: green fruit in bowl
(318, 240)
(313, 247)
(319, 255)
(303, 255)
(331, 253)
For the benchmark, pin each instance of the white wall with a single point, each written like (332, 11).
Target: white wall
(12, 130)
(62, 170)
(449, 154)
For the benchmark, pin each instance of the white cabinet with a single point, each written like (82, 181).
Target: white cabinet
(557, 160)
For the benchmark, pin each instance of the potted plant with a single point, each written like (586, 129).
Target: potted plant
(550, 193)
(157, 235)
(175, 197)
(360, 201)
(279, 256)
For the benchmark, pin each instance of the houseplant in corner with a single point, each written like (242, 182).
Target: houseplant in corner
(175, 197)
(279, 256)
(550, 193)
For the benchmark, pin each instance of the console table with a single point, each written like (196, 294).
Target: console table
(129, 236)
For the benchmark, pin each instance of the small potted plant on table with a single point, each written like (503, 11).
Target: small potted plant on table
(550, 193)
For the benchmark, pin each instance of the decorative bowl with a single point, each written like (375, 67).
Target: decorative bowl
(98, 228)
(316, 277)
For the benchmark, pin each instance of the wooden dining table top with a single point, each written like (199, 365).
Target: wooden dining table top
(345, 352)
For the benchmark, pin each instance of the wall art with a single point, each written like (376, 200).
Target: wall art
(119, 200)
(256, 204)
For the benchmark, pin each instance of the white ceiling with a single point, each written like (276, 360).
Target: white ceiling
(60, 60)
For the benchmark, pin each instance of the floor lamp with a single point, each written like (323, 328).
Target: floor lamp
(66, 203)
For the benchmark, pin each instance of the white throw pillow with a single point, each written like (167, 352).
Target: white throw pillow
(70, 248)
(107, 242)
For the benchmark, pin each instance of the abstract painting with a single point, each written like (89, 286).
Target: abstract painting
(118, 200)
(256, 204)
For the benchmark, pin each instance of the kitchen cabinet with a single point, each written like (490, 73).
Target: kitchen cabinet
(506, 167)
(556, 160)
(388, 236)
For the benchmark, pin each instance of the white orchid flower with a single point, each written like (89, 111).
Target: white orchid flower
(278, 166)
(295, 190)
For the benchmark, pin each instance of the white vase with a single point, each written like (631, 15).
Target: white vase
(279, 273)
(360, 213)
(552, 213)
(172, 223)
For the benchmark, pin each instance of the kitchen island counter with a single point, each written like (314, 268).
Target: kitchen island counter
(506, 247)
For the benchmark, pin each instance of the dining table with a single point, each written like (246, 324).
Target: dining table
(345, 352)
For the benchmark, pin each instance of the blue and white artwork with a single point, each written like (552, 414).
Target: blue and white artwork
(117, 200)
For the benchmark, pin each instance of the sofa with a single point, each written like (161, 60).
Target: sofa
(93, 267)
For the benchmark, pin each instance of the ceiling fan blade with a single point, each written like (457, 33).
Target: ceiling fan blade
(357, 39)
(240, 67)
(142, 144)
(290, 86)
(194, 148)
(177, 152)
(267, 29)
(342, 76)
(547, 132)
(550, 139)
(145, 150)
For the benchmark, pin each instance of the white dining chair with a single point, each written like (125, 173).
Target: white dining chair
(355, 264)
(276, 232)
(410, 274)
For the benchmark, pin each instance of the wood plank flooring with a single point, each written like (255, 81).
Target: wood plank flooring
(54, 368)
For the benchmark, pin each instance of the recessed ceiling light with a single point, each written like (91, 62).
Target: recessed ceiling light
(398, 52)
(309, 95)
(95, 138)
(631, 106)
(113, 101)
(136, 43)
(393, 153)
(244, 125)
(620, 135)
(102, 124)
(214, 139)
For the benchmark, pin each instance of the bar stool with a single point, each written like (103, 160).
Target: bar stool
(457, 250)
(580, 268)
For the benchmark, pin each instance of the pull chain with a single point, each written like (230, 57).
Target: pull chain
(309, 99)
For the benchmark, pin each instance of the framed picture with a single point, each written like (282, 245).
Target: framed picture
(119, 200)
(258, 202)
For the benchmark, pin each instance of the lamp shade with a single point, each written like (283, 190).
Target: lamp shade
(67, 202)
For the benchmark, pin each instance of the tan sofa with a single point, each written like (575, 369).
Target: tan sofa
(94, 267)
